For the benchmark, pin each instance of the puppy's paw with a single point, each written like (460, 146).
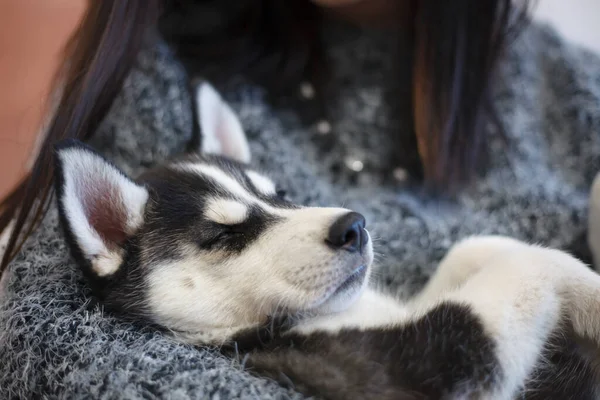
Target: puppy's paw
(465, 259)
(469, 255)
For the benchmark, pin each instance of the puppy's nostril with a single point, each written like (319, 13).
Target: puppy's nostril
(348, 232)
(351, 237)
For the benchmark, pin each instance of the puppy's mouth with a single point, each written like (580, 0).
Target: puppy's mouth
(347, 291)
(349, 285)
(353, 281)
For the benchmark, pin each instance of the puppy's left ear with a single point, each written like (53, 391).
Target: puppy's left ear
(221, 130)
(100, 207)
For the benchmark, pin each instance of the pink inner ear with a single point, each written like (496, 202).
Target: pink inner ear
(103, 207)
(227, 147)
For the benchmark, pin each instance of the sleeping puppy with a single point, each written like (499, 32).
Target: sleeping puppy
(210, 249)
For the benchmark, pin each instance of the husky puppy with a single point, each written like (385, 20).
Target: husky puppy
(210, 249)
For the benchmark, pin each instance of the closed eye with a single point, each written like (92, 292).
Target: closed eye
(230, 230)
(223, 233)
(227, 235)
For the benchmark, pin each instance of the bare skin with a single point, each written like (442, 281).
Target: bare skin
(33, 34)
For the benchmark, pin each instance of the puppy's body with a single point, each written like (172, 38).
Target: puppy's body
(209, 249)
(479, 338)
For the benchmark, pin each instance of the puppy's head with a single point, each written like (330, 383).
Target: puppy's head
(205, 243)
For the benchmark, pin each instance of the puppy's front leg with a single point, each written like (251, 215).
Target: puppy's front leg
(463, 260)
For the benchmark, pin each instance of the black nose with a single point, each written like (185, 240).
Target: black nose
(348, 232)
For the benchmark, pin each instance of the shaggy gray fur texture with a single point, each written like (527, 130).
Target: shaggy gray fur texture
(56, 343)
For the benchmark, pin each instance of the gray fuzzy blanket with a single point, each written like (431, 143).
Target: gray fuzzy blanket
(55, 342)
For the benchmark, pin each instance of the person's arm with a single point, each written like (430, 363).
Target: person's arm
(33, 34)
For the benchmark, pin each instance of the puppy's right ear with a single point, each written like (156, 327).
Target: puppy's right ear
(221, 130)
(100, 206)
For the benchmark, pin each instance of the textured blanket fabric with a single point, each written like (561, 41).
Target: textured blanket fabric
(56, 343)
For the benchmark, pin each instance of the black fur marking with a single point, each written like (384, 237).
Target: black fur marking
(568, 370)
(447, 351)
(176, 215)
(261, 336)
(236, 238)
(444, 352)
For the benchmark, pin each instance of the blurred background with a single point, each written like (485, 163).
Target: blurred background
(578, 20)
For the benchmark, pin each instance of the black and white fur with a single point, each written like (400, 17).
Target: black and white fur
(209, 249)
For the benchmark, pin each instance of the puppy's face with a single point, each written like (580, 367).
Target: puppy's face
(206, 244)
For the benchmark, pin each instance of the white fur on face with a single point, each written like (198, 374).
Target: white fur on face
(221, 178)
(91, 186)
(261, 183)
(232, 186)
(225, 211)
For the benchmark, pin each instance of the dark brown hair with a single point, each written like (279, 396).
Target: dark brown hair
(455, 48)
(457, 44)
